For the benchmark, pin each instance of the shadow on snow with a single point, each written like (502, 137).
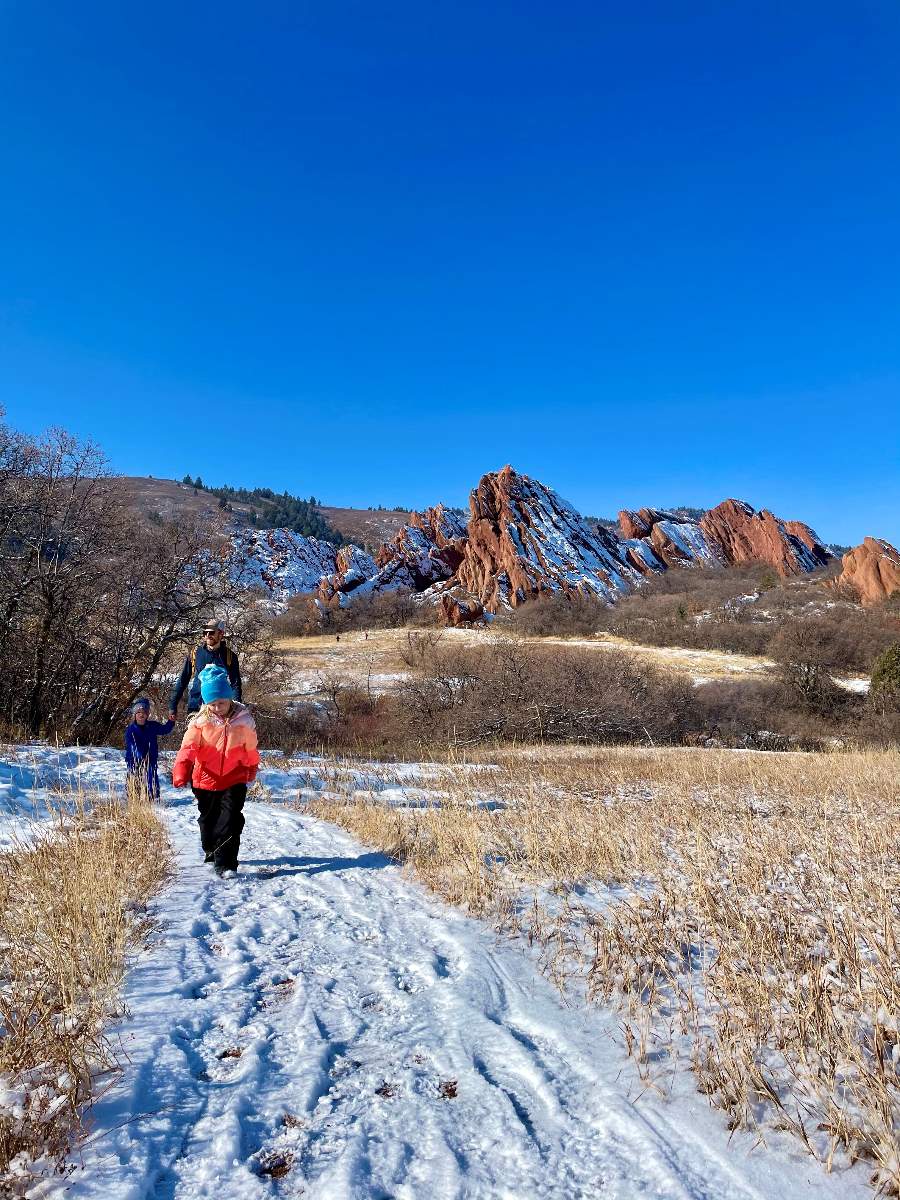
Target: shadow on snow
(273, 868)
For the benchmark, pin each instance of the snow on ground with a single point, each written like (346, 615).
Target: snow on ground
(314, 682)
(37, 781)
(22, 805)
(319, 1026)
(856, 685)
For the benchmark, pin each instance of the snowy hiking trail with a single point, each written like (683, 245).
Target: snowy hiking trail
(320, 1011)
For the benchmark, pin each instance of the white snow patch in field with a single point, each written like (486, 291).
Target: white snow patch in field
(861, 686)
(312, 682)
(37, 781)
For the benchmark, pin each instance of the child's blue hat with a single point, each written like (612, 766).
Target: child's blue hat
(215, 684)
(143, 702)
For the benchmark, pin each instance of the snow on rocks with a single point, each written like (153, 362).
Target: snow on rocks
(318, 1025)
(524, 539)
(521, 539)
(732, 532)
(281, 563)
(689, 541)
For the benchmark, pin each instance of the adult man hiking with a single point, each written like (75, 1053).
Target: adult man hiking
(213, 650)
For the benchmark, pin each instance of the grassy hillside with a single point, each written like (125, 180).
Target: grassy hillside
(167, 498)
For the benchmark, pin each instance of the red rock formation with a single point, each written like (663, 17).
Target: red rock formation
(871, 572)
(675, 541)
(743, 536)
(809, 539)
(523, 539)
(633, 525)
(440, 525)
(353, 569)
(459, 607)
(733, 532)
(639, 554)
(425, 552)
(638, 524)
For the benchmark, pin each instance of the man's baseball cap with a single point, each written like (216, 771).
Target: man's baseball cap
(214, 626)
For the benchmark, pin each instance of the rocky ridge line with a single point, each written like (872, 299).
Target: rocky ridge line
(522, 540)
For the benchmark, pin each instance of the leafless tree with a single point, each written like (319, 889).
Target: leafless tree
(94, 601)
(804, 664)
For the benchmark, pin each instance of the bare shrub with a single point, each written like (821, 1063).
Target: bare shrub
(851, 638)
(502, 690)
(736, 712)
(770, 714)
(377, 610)
(418, 650)
(512, 690)
(879, 727)
(396, 608)
(742, 609)
(705, 609)
(556, 614)
(303, 617)
(804, 663)
(301, 727)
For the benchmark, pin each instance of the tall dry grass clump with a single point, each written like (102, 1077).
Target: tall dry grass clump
(743, 910)
(72, 908)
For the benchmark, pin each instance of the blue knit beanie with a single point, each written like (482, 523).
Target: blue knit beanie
(142, 703)
(215, 684)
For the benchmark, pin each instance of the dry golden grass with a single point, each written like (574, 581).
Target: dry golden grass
(383, 650)
(743, 910)
(72, 908)
(312, 661)
(708, 664)
(360, 657)
(382, 653)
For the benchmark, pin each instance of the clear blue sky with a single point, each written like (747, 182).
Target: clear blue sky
(646, 253)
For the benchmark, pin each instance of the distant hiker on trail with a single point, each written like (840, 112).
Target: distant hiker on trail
(218, 757)
(141, 748)
(212, 649)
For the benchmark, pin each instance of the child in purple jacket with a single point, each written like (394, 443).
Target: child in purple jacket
(141, 749)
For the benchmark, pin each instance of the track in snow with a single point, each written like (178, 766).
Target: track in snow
(388, 1048)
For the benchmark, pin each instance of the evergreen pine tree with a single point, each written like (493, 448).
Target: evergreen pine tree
(886, 672)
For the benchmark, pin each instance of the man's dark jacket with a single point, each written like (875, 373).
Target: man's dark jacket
(222, 657)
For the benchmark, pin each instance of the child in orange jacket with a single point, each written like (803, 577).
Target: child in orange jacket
(218, 757)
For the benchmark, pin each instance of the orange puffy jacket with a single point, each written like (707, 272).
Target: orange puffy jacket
(217, 752)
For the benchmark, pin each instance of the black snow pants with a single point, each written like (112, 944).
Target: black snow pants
(221, 820)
